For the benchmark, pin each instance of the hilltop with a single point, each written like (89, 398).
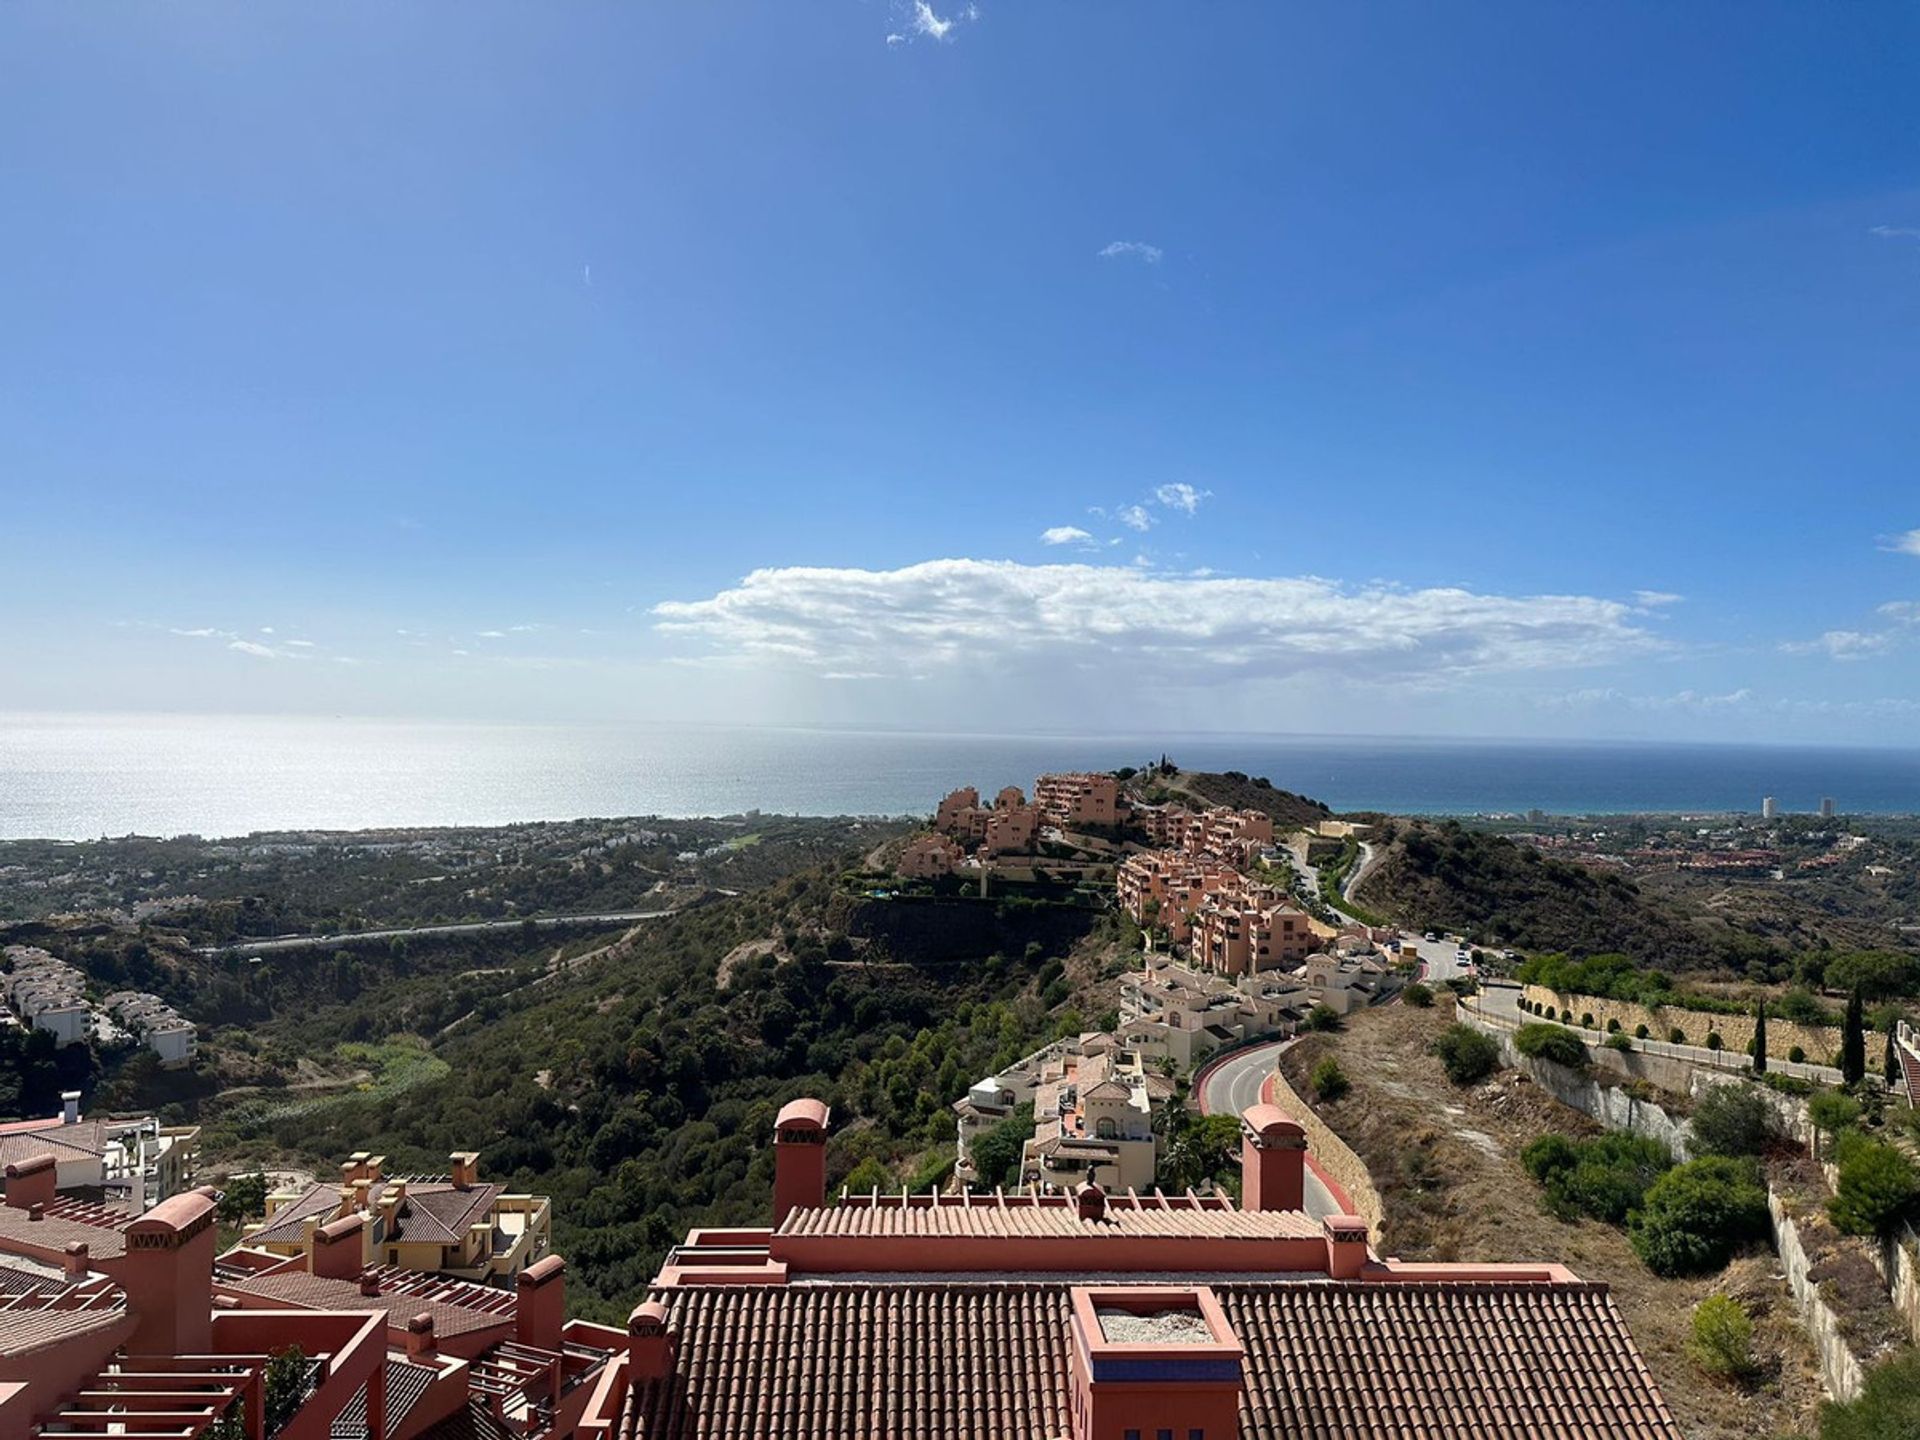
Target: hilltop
(1231, 788)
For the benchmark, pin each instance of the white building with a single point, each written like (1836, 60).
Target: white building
(1769, 808)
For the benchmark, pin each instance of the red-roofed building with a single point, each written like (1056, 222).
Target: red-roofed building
(1035, 1315)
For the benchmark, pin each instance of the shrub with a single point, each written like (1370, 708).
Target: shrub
(1605, 1177)
(1419, 996)
(1797, 1054)
(1329, 1080)
(1713, 1040)
(1640, 1032)
(1722, 1342)
(1732, 1120)
(1787, 1084)
(1620, 1043)
(1323, 1017)
(1550, 1042)
(1877, 1187)
(1677, 1036)
(1466, 1054)
(1887, 1407)
(1832, 1111)
(1697, 1215)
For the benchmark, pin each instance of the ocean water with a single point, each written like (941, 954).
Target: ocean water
(77, 777)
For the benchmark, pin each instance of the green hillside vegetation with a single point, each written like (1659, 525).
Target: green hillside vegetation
(640, 1094)
(1228, 787)
(1446, 877)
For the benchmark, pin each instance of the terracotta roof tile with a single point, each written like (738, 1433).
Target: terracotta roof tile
(402, 1298)
(435, 1212)
(1058, 1217)
(1396, 1360)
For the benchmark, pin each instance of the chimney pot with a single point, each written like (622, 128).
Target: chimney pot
(1091, 1201)
(369, 1281)
(77, 1261)
(1273, 1160)
(1347, 1252)
(36, 1211)
(420, 1341)
(69, 1107)
(800, 1157)
(650, 1344)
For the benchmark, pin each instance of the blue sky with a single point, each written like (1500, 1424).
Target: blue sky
(1526, 369)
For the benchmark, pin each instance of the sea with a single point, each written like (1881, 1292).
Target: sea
(76, 777)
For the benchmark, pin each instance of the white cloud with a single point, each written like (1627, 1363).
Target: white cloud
(1906, 544)
(958, 613)
(1654, 599)
(301, 644)
(1132, 250)
(248, 647)
(1895, 232)
(493, 634)
(920, 21)
(1902, 612)
(1181, 496)
(1064, 535)
(202, 633)
(1840, 645)
(1134, 517)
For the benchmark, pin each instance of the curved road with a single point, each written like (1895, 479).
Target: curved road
(541, 922)
(1233, 1086)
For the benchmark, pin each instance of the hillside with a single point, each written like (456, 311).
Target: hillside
(639, 1088)
(1230, 788)
(1446, 877)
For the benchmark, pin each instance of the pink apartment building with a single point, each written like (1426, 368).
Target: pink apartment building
(1079, 799)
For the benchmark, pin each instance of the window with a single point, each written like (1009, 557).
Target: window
(1196, 1435)
(1164, 1434)
(1105, 1129)
(1133, 1435)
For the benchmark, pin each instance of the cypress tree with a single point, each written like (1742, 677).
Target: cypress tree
(1760, 1039)
(1853, 1041)
(1895, 1081)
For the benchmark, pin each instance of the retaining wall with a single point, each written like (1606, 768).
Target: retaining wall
(1820, 1042)
(1334, 1155)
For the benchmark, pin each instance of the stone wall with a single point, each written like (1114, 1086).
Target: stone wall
(1333, 1155)
(1821, 1042)
(1898, 1260)
(1839, 1369)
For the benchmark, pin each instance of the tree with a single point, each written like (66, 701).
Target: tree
(1887, 1407)
(285, 1385)
(1540, 1041)
(869, 1175)
(1323, 1017)
(1698, 1214)
(996, 1151)
(1466, 1054)
(1890, 1062)
(1760, 1038)
(244, 1197)
(1722, 1342)
(1732, 1119)
(1419, 996)
(1877, 1187)
(1853, 1040)
(1329, 1080)
(1201, 1153)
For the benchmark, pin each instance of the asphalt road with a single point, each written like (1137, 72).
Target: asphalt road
(1233, 1087)
(542, 922)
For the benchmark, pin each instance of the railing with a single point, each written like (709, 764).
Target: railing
(1692, 1054)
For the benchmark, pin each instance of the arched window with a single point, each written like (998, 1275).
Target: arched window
(1105, 1129)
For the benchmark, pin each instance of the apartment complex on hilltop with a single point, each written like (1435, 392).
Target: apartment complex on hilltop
(127, 1165)
(1105, 1315)
(46, 993)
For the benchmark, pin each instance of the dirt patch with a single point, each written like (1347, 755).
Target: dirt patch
(1446, 1164)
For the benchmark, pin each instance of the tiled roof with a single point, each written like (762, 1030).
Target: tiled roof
(401, 1298)
(28, 1138)
(406, 1383)
(57, 1231)
(1122, 1221)
(471, 1422)
(434, 1212)
(1393, 1360)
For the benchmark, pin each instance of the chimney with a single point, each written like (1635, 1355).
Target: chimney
(359, 1193)
(375, 1164)
(369, 1281)
(799, 1157)
(420, 1341)
(77, 1261)
(339, 1249)
(1091, 1201)
(1273, 1160)
(1347, 1252)
(650, 1344)
(36, 1211)
(32, 1181)
(540, 1303)
(69, 1107)
(356, 1167)
(167, 1273)
(466, 1168)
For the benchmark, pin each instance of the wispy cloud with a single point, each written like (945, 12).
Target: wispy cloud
(920, 21)
(249, 647)
(1901, 612)
(1134, 517)
(1181, 496)
(1903, 544)
(1841, 644)
(493, 634)
(960, 613)
(1065, 535)
(1895, 232)
(1132, 250)
(1656, 599)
